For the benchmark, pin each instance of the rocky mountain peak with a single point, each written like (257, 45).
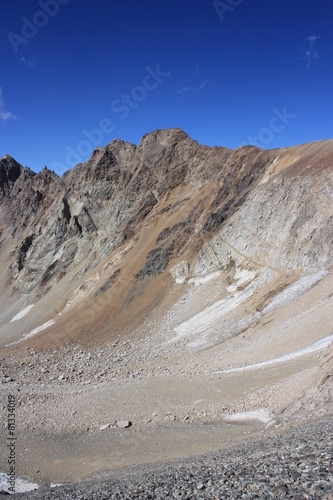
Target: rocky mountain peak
(164, 137)
(188, 191)
(10, 171)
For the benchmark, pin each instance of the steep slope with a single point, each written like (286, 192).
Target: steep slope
(130, 214)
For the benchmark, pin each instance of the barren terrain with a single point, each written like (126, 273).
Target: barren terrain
(184, 289)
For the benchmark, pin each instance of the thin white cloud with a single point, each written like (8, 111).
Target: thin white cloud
(313, 38)
(311, 53)
(187, 90)
(5, 115)
(30, 63)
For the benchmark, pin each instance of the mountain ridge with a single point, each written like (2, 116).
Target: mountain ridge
(79, 220)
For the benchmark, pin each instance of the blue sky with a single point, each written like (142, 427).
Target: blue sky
(78, 73)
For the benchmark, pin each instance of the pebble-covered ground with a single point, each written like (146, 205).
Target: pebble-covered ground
(297, 464)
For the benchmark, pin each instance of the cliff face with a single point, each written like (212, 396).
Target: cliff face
(168, 205)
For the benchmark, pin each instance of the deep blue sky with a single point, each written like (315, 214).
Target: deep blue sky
(227, 73)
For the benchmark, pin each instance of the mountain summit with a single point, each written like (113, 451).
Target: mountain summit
(189, 195)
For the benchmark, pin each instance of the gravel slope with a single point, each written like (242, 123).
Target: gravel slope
(297, 464)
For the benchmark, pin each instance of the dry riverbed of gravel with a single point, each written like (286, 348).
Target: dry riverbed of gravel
(297, 464)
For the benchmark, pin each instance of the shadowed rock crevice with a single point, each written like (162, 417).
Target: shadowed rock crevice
(168, 245)
(23, 250)
(66, 213)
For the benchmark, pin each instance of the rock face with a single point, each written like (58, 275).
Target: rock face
(178, 206)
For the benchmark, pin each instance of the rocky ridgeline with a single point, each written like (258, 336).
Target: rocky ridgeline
(296, 465)
(280, 198)
(102, 202)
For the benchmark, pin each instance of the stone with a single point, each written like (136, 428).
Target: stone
(103, 427)
(123, 424)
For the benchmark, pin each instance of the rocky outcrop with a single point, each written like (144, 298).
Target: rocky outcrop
(10, 171)
(318, 398)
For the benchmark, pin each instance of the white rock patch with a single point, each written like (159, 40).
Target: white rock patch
(21, 485)
(204, 279)
(179, 272)
(205, 320)
(293, 291)
(21, 314)
(317, 346)
(34, 332)
(39, 329)
(263, 415)
(241, 277)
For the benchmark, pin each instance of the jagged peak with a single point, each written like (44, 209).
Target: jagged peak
(46, 172)
(116, 142)
(164, 135)
(116, 145)
(9, 158)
